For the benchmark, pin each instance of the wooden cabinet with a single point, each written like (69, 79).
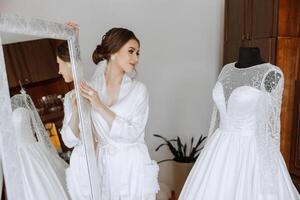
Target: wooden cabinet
(262, 19)
(250, 23)
(30, 62)
(288, 59)
(295, 153)
(234, 29)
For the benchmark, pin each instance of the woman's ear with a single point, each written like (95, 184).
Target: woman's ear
(113, 56)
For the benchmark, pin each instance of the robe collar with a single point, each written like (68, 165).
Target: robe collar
(126, 87)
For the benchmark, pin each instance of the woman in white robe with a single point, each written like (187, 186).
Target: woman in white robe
(77, 173)
(119, 116)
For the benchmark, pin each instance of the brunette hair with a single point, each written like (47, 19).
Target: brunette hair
(112, 42)
(62, 51)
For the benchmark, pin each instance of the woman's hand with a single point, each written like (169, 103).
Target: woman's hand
(91, 95)
(74, 26)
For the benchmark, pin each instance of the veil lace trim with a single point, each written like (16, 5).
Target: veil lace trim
(25, 101)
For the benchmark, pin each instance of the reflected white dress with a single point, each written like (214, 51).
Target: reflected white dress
(42, 170)
(77, 173)
(126, 169)
(241, 159)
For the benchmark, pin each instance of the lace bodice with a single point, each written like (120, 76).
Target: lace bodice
(248, 102)
(25, 101)
(264, 77)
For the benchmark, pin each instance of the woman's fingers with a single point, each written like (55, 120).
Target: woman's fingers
(88, 90)
(84, 89)
(85, 95)
(73, 25)
(89, 93)
(87, 87)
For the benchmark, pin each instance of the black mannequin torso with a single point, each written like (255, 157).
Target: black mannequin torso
(248, 57)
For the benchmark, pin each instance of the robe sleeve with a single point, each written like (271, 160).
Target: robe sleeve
(68, 136)
(129, 129)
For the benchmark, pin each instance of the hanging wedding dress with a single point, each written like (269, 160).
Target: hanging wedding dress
(43, 171)
(77, 173)
(126, 169)
(241, 159)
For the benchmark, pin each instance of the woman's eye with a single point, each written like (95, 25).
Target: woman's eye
(131, 51)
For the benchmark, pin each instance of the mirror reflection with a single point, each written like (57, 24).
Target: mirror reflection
(45, 117)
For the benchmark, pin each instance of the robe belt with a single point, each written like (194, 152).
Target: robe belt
(107, 151)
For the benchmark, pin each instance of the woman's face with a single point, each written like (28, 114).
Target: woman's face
(128, 56)
(65, 70)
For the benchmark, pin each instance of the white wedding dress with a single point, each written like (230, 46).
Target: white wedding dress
(241, 159)
(125, 167)
(77, 173)
(42, 170)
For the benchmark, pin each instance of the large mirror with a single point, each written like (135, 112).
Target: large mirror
(43, 128)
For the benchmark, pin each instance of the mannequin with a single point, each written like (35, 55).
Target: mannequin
(248, 57)
(241, 158)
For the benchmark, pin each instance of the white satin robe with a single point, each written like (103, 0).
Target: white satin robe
(126, 169)
(77, 173)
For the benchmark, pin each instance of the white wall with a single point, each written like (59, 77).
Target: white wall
(181, 52)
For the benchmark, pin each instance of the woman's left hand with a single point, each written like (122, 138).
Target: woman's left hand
(89, 93)
(73, 25)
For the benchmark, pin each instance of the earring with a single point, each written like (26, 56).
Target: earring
(113, 57)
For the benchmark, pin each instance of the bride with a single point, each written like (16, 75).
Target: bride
(119, 115)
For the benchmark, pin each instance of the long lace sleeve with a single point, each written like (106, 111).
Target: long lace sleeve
(215, 118)
(214, 122)
(269, 129)
(274, 84)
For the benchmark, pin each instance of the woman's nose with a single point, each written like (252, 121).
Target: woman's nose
(136, 59)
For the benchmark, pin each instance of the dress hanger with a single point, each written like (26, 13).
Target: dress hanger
(22, 91)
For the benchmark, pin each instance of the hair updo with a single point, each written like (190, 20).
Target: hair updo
(112, 42)
(62, 51)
